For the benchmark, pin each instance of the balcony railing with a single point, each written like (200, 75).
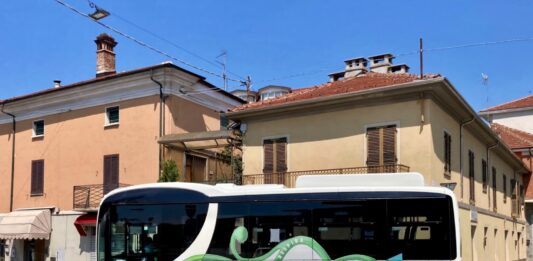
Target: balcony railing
(289, 178)
(88, 197)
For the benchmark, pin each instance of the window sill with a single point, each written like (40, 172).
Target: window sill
(111, 125)
(448, 175)
(37, 137)
(472, 202)
(37, 195)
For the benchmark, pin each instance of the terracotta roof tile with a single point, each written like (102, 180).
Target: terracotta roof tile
(350, 85)
(524, 102)
(514, 138)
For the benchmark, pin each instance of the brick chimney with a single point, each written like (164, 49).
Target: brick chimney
(105, 56)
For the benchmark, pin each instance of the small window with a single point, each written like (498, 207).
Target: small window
(38, 128)
(504, 189)
(471, 176)
(112, 115)
(447, 153)
(37, 177)
(484, 174)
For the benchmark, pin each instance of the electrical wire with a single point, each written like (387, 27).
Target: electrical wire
(144, 44)
(173, 44)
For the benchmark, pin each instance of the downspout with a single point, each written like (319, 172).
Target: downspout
(161, 119)
(489, 169)
(12, 157)
(461, 153)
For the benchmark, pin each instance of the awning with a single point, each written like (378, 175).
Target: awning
(199, 140)
(84, 221)
(26, 224)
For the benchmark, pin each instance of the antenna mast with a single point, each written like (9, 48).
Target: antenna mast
(224, 54)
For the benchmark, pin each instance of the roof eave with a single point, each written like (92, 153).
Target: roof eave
(319, 100)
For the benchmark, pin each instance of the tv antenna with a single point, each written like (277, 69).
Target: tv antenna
(223, 56)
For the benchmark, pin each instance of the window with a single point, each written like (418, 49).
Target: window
(381, 146)
(38, 128)
(224, 122)
(275, 155)
(111, 172)
(37, 177)
(514, 199)
(447, 153)
(494, 200)
(484, 170)
(504, 189)
(112, 115)
(471, 175)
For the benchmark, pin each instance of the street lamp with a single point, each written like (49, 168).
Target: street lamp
(99, 13)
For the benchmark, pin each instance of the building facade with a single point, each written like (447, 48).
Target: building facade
(375, 120)
(513, 121)
(63, 148)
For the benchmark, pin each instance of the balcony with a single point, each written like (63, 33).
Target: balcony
(289, 178)
(88, 197)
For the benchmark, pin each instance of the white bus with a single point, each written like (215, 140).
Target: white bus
(362, 217)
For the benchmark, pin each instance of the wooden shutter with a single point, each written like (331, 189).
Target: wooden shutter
(37, 177)
(268, 152)
(381, 146)
(373, 147)
(389, 145)
(111, 172)
(281, 155)
(495, 204)
(447, 153)
(471, 174)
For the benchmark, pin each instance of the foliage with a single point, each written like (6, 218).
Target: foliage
(235, 162)
(170, 172)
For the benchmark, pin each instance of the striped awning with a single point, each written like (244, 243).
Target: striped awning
(26, 224)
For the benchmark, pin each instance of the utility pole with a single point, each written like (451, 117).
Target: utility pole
(248, 84)
(421, 60)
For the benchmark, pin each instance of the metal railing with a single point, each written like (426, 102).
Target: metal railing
(88, 197)
(289, 178)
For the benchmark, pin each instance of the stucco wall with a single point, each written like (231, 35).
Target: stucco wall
(73, 148)
(336, 139)
(521, 120)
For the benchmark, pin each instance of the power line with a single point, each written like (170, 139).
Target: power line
(142, 43)
(171, 43)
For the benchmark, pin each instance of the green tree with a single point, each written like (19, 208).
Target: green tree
(170, 172)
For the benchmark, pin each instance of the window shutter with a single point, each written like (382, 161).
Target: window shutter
(389, 145)
(373, 148)
(34, 177)
(268, 161)
(37, 177)
(281, 155)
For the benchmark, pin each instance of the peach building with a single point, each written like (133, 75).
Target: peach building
(63, 148)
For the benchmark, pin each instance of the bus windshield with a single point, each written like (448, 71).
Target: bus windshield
(376, 229)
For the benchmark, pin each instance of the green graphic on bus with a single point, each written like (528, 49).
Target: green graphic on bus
(296, 248)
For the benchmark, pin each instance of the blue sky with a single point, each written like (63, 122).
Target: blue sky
(43, 41)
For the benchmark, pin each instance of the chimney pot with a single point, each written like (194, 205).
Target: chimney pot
(105, 55)
(380, 63)
(57, 83)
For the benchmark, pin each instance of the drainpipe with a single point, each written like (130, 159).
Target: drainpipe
(161, 118)
(489, 169)
(12, 157)
(461, 152)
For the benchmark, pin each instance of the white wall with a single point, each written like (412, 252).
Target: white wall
(521, 120)
(65, 238)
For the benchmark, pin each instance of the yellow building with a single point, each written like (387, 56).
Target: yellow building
(63, 148)
(381, 119)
